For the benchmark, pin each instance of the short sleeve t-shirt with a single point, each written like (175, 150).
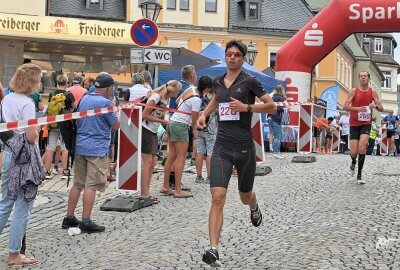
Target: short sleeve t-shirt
(344, 121)
(94, 132)
(189, 105)
(153, 126)
(36, 98)
(17, 107)
(319, 123)
(392, 121)
(69, 97)
(245, 88)
(277, 117)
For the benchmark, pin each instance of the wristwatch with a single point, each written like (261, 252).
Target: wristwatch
(249, 108)
(376, 106)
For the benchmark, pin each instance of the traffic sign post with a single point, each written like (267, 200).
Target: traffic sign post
(144, 33)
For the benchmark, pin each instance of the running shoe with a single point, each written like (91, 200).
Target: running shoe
(65, 174)
(278, 156)
(48, 175)
(207, 180)
(69, 222)
(55, 170)
(359, 180)
(192, 162)
(199, 179)
(211, 258)
(256, 216)
(352, 169)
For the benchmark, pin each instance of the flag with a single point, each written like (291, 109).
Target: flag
(331, 95)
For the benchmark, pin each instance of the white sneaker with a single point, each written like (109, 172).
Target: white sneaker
(55, 170)
(278, 156)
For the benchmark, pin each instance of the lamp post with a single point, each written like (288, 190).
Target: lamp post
(251, 53)
(150, 9)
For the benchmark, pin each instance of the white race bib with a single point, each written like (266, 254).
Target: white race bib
(226, 114)
(364, 116)
(390, 126)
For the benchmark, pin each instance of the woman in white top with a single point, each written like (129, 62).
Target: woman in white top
(178, 138)
(152, 119)
(138, 90)
(18, 106)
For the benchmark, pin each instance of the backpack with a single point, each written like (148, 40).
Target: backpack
(56, 106)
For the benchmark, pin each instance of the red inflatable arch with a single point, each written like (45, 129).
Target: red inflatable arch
(297, 58)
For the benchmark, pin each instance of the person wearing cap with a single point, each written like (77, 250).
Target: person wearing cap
(76, 89)
(91, 163)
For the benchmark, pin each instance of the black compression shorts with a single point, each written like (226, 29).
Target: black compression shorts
(357, 131)
(224, 158)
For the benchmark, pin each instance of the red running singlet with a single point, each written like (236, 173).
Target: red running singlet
(361, 99)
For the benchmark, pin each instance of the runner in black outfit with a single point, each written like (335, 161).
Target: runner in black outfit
(235, 96)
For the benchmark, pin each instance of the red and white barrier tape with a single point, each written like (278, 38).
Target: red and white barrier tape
(77, 115)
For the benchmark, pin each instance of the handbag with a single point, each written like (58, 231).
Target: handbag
(5, 135)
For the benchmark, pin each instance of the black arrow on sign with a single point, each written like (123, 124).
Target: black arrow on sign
(147, 55)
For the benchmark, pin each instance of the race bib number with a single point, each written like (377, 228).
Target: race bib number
(226, 114)
(364, 116)
(390, 126)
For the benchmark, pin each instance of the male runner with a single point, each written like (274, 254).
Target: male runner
(391, 122)
(235, 96)
(359, 103)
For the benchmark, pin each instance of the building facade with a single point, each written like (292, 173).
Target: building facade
(380, 47)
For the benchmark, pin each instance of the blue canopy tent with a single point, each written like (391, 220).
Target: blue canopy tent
(215, 52)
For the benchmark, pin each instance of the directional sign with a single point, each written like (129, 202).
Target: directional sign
(157, 56)
(136, 55)
(144, 32)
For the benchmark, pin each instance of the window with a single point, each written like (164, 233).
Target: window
(387, 82)
(171, 4)
(94, 4)
(253, 11)
(211, 5)
(184, 5)
(272, 60)
(378, 45)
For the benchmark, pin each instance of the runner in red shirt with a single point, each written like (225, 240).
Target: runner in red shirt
(361, 102)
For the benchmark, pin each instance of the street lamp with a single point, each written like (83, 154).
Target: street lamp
(251, 53)
(150, 9)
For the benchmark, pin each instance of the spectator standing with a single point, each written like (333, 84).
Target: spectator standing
(275, 122)
(138, 90)
(18, 106)
(188, 80)
(344, 122)
(147, 79)
(372, 137)
(152, 119)
(206, 137)
(77, 90)
(88, 83)
(178, 138)
(91, 162)
(54, 137)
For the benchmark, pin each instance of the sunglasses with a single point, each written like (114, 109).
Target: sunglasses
(235, 54)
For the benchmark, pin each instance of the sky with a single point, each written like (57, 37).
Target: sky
(397, 52)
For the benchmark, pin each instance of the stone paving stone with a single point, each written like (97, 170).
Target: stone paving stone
(316, 217)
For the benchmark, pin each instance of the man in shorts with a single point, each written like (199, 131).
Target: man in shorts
(391, 122)
(91, 163)
(236, 92)
(360, 103)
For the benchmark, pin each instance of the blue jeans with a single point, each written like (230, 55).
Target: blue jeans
(276, 130)
(22, 209)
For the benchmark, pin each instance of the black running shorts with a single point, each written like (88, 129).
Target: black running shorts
(357, 131)
(390, 133)
(224, 158)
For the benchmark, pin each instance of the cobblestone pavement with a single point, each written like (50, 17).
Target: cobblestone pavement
(317, 217)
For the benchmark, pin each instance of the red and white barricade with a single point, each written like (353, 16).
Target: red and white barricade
(129, 151)
(258, 137)
(336, 140)
(304, 140)
(384, 144)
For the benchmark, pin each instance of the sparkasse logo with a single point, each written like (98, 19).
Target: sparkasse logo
(368, 13)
